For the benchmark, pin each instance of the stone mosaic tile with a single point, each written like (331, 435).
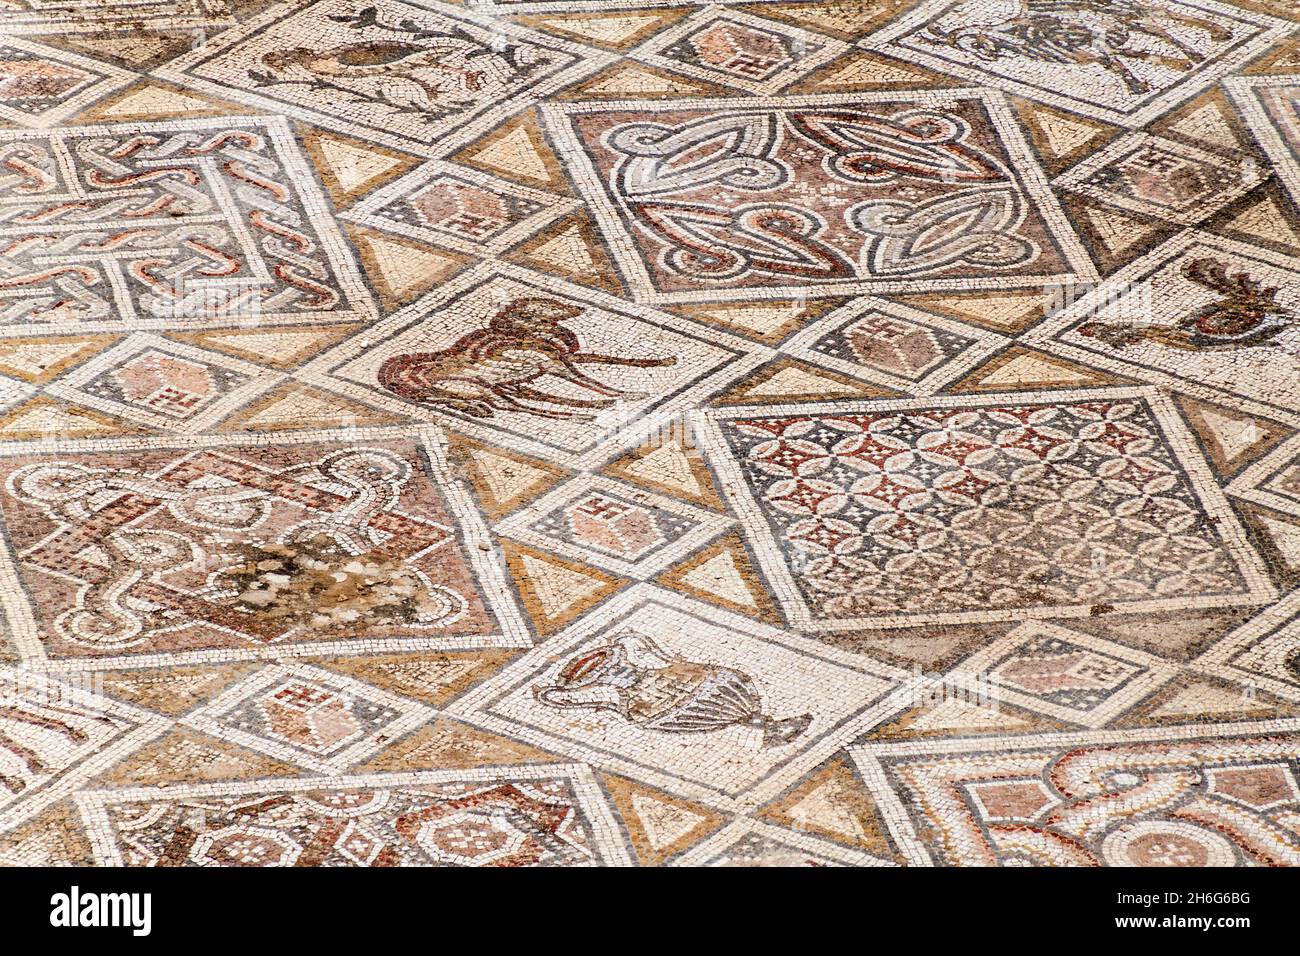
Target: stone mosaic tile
(525, 816)
(418, 77)
(649, 432)
(651, 677)
(1163, 178)
(165, 224)
(312, 717)
(1127, 63)
(460, 208)
(614, 525)
(164, 552)
(807, 198)
(928, 511)
(538, 365)
(735, 48)
(1033, 803)
(40, 85)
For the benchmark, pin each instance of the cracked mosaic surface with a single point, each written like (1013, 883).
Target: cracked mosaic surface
(650, 432)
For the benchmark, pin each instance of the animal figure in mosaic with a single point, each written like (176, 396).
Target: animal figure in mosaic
(643, 684)
(493, 369)
(1247, 313)
(1292, 665)
(1085, 32)
(42, 719)
(423, 71)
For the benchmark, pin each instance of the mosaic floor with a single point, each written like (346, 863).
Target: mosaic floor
(642, 432)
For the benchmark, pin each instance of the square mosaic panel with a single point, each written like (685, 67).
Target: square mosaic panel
(817, 194)
(1179, 311)
(676, 693)
(524, 816)
(180, 224)
(1271, 107)
(1264, 652)
(1034, 804)
(749, 843)
(1273, 480)
(240, 550)
(987, 508)
(584, 369)
(440, 73)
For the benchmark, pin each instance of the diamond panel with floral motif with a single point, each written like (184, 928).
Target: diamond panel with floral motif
(1163, 178)
(749, 52)
(614, 525)
(459, 207)
(310, 716)
(168, 225)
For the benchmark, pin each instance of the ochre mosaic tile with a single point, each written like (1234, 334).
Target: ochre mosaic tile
(650, 433)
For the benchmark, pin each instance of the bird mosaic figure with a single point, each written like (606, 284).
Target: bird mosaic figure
(1247, 313)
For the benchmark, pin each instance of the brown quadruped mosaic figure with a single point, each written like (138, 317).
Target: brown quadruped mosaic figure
(491, 370)
(656, 690)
